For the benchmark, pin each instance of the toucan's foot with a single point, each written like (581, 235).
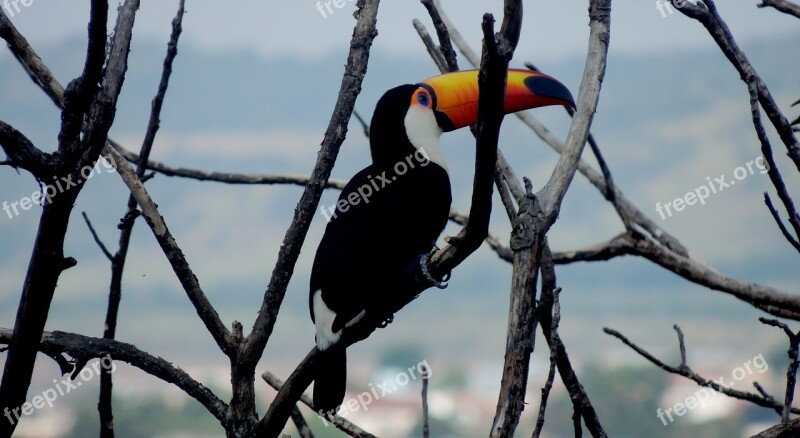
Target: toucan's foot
(423, 267)
(386, 321)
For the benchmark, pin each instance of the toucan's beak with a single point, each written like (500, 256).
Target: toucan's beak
(455, 95)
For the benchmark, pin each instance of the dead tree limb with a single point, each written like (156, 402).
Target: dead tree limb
(706, 13)
(253, 346)
(537, 214)
(340, 422)
(227, 178)
(93, 98)
(104, 404)
(684, 370)
(784, 6)
(83, 348)
(445, 46)
(791, 371)
(774, 175)
(658, 246)
(224, 338)
(547, 312)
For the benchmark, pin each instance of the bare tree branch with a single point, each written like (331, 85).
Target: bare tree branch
(445, 46)
(22, 153)
(791, 372)
(526, 243)
(156, 222)
(777, 217)
(228, 178)
(433, 51)
(686, 371)
(126, 227)
(84, 348)
(706, 13)
(667, 251)
(47, 261)
(773, 172)
(301, 424)
(547, 311)
(551, 373)
(174, 254)
(97, 239)
(784, 6)
(28, 58)
(340, 422)
(781, 430)
(426, 428)
(254, 344)
(363, 123)
(491, 84)
(631, 211)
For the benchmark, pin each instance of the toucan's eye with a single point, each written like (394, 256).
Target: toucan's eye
(423, 99)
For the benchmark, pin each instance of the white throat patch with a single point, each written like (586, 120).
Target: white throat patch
(423, 132)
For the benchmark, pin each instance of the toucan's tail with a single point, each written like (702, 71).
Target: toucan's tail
(330, 377)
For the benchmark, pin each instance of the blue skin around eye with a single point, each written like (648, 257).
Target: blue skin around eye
(423, 99)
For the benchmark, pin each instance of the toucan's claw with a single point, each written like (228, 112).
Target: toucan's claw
(423, 265)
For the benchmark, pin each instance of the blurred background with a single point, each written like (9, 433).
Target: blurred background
(252, 90)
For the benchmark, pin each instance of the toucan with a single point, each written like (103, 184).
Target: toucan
(371, 259)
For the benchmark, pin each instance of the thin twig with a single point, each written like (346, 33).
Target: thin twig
(433, 51)
(340, 422)
(791, 372)
(690, 374)
(174, 254)
(301, 424)
(222, 177)
(85, 348)
(784, 6)
(445, 45)
(104, 405)
(706, 13)
(551, 373)
(363, 122)
(631, 210)
(548, 312)
(777, 217)
(97, 238)
(773, 172)
(426, 429)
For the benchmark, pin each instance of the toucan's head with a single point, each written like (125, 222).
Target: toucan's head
(411, 117)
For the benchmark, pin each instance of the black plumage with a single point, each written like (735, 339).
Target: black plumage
(369, 254)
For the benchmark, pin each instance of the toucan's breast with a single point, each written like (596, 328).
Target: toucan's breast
(384, 219)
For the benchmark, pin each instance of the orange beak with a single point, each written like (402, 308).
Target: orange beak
(455, 95)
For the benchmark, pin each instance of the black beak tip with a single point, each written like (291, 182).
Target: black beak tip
(548, 87)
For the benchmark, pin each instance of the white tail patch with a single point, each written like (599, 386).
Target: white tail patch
(323, 319)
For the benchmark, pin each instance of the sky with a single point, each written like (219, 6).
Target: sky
(552, 28)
